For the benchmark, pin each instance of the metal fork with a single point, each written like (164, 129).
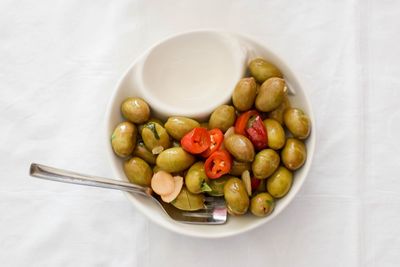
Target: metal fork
(215, 211)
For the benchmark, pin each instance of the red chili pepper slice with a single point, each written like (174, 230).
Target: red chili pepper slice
(255, 183)
(218, 164)
(257, 133)
(216, 137)
(251, 125)
(241, 121)
(196, 141)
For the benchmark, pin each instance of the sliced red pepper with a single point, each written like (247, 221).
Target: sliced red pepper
(257, 133)
(255, 183)
(216, 137)
(242, 120)
(251, 125)
(218, 164)
(196, 141)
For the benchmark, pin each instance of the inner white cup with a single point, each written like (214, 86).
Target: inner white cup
(191, 74)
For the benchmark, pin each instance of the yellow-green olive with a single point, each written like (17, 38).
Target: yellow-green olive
(265, 163)
(275, 133)
(135, 109)
(138, 171)
(244, 94)
(141, 126)
(270, 95)
(174, 159)
(196, 179)
(155, 137)
(177, 127)
(188, 201)
(236, 197)
(240, 147)
(277, 114)
(239, 167)
(123, 139)
(142, 152)
(262, 204)
(223, 117)
(297, 122)
(229, 132)
(294, 154)
(217, 185)
(262, 70)
(280, 182)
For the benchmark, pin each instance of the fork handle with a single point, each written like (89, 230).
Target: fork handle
(64, 176)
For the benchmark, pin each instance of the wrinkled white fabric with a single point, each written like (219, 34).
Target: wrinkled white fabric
(59, 63)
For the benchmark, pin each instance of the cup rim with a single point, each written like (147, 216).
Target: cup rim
(196, 111)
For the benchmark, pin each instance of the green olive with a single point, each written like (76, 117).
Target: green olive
(240, 147)
(223, 117)
(236, 197)
(174, 159)
(138, 171)
(239, 167)
(244, 94)
(142, 152)
(275, 133)
(297, 122)
(271, 94)
(177, 127)
(262, 204)
(141, 126)
(196, 179)
(217, 185)
(262, 70)
(277, 114)
(155, 137)
(265, 163)
(135, 109)
(123, 139)
(188, 201)
(294, 154)
(280, 182)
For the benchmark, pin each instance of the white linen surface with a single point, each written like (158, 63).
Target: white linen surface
(59, 63)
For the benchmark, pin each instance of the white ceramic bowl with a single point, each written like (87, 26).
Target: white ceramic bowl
(131, 85)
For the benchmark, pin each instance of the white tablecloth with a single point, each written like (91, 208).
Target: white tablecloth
(59, 62)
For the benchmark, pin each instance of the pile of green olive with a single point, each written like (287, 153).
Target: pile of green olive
(261, 160)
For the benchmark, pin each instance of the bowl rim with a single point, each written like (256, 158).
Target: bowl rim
(186, 231)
